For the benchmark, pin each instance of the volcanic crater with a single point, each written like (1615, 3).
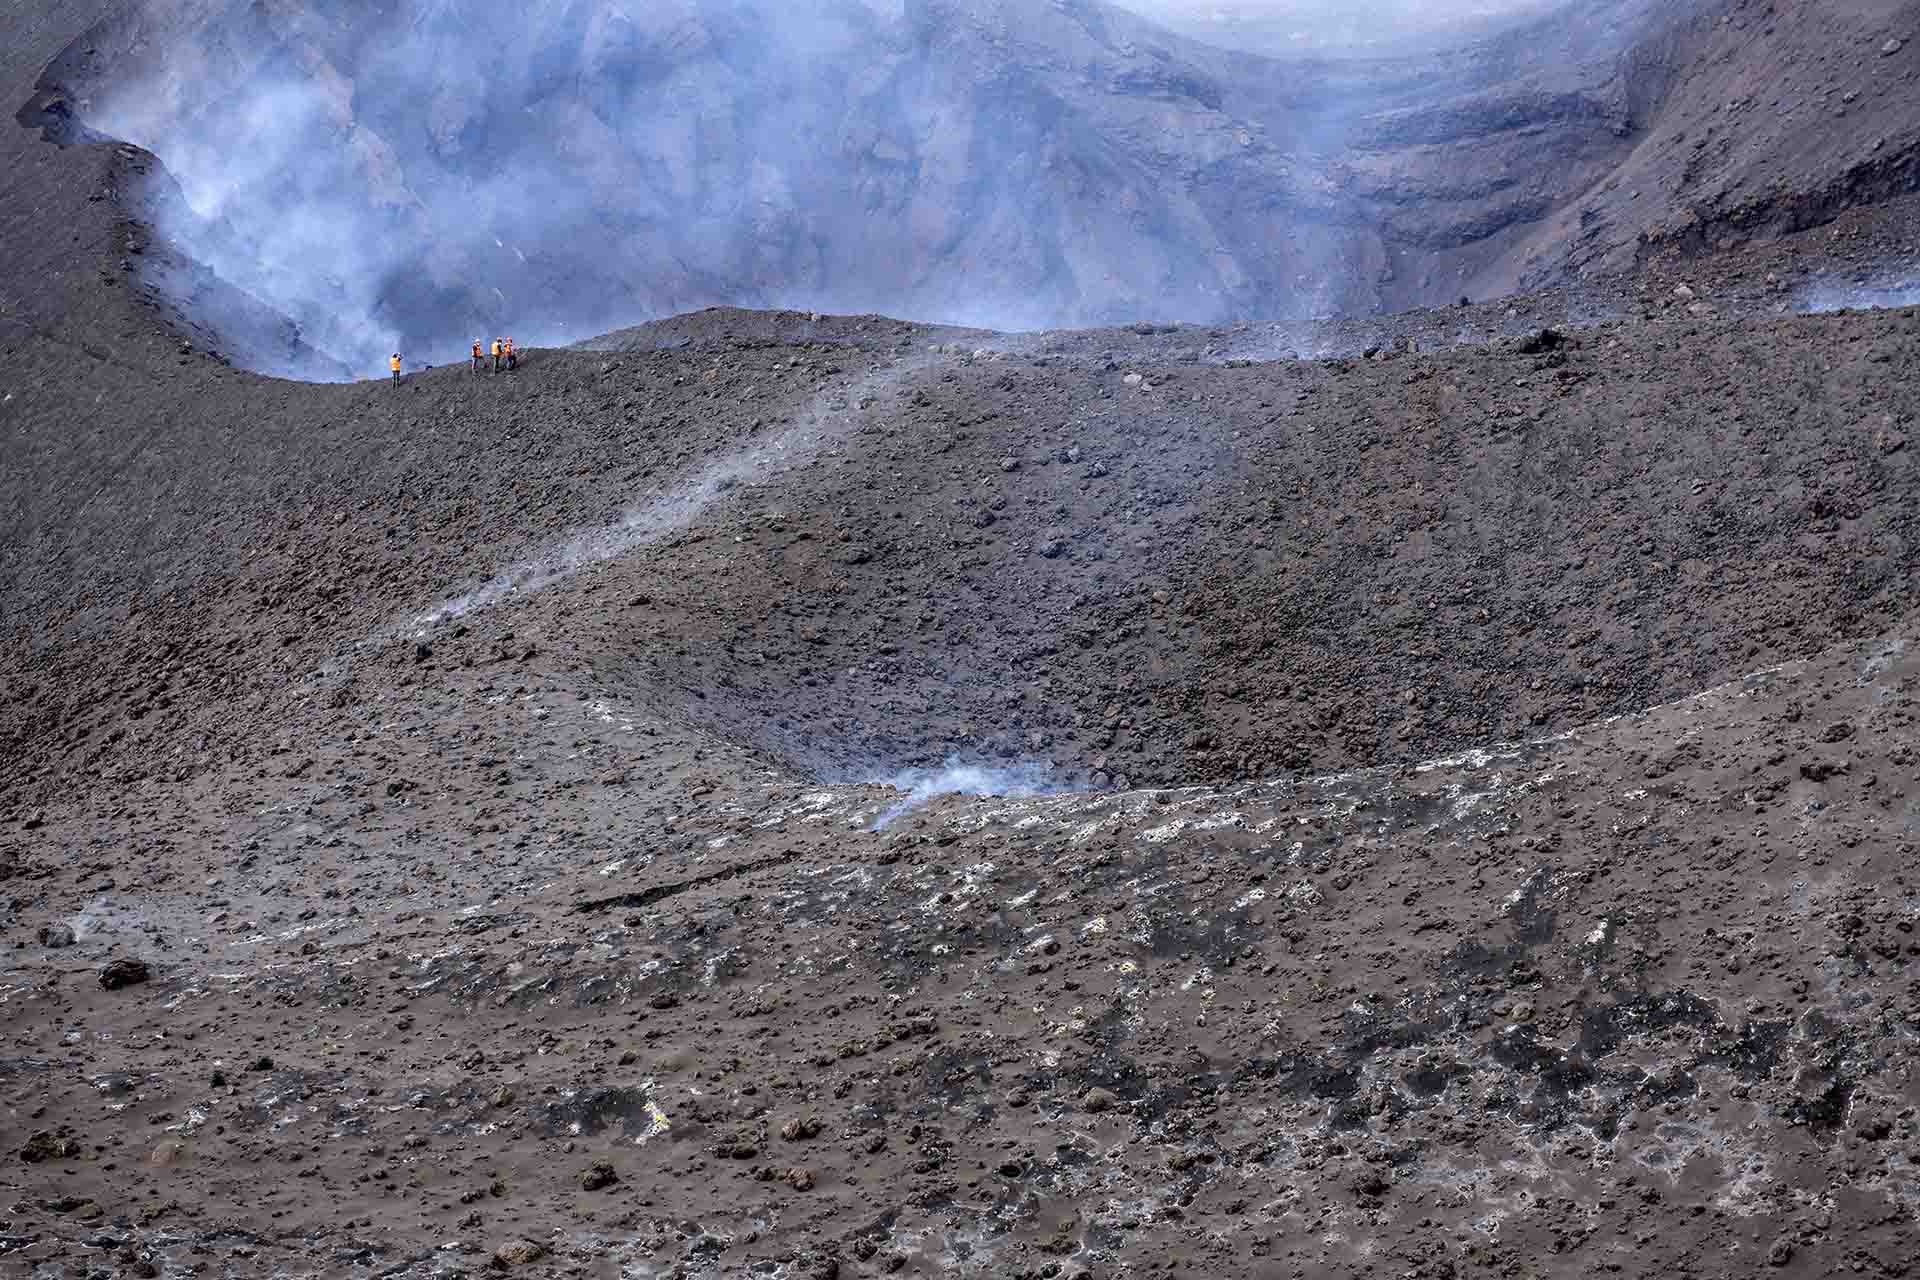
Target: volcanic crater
(1451, 773)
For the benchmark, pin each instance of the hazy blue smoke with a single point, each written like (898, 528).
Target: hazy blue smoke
(1278, 26)
(1892, 287)
(416, 175)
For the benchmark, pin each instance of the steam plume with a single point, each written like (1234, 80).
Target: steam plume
(413, 176)
(1020, 781)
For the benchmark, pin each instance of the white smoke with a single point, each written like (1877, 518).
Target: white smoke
(1280, 26)
(1022, 781)
(647, 523)
(410, 176)
(681, 504)
(1892, 288)
(101, 917)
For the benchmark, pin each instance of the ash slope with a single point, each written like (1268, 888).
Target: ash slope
(1636, 998)
(856, 546)
(459, 910)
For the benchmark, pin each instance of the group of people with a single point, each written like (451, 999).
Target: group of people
(504, 355)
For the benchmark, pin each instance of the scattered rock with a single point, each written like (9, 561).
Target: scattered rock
(1097, 1100)
(1371, 1185)
(800, 1179)
(55, 936)
(46, 1146)
(798, 1129)
(517, 1253)
(598, 1176)
(124, 972)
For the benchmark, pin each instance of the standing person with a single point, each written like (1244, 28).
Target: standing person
(479, 355)
(496, 355)
(394, 364)
(513, 359)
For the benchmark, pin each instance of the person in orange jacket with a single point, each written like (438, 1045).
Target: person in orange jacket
(513, 357)
(394, 364)
(479, 355)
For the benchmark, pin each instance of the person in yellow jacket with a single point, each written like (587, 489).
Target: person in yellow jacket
(394, 364)
(496, 355)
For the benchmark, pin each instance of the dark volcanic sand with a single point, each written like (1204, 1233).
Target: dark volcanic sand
(437, 911)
